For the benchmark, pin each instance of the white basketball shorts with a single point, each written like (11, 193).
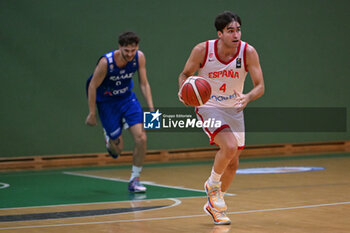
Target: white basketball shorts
(229, 118)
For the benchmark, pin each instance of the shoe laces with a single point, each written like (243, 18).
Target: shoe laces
(220, 214)
(215, 192)
(136, 182)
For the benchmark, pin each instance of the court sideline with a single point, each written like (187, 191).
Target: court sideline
(277, 194)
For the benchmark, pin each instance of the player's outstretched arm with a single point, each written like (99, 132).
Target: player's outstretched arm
(144, 84)
(97, 78)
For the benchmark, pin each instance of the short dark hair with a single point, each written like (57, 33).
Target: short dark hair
(128, 38)
(223, 19)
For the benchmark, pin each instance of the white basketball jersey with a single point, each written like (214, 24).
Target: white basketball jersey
(224, 77)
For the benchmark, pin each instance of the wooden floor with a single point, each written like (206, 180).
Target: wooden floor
(310, 201)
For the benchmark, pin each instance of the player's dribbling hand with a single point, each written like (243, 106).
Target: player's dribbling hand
(179, 93)
(180, 97)
(91, 120)
(241, 101)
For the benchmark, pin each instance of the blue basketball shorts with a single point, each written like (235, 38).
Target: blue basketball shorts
(112, 114)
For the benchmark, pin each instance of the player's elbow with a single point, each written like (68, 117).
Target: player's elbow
(260, 86)
(145, 85)
(262, 89)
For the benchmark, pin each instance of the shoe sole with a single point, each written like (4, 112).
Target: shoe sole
(211, 215)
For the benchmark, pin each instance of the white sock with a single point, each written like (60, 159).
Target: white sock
(135, 172)
(214, 177)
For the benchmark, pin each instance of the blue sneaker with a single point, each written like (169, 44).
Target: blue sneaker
(136, 187)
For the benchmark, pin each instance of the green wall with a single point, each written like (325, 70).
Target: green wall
(49, 48)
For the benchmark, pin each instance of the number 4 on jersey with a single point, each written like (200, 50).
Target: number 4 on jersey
(223, 87)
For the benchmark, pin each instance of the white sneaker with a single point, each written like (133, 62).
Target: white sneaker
(215, 197)
(219, 217)
(135, 186)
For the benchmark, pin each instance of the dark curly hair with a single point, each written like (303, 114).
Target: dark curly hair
(128, 38)
(225, 18)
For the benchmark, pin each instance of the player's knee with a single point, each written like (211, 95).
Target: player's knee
(141, 139)
(229, 150)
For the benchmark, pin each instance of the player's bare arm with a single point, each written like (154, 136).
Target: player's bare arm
(144, 84)
(254, 69)
(192, 65)
(194, 62)
(97, 78)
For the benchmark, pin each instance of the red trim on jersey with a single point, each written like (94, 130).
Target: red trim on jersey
(217, 56)
(245, 57)
(206, 54)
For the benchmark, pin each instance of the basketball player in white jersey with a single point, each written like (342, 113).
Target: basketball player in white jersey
(224, 63)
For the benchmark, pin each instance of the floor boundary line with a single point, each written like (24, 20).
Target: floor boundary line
(175, 200)
(178, 217)
(144, 182)
(98, 203)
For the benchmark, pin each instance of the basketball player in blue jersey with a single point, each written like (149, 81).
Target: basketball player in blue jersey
(110, 88)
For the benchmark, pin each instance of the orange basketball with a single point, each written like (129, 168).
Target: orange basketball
(195, 91)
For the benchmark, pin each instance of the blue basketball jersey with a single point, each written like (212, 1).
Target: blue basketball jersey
(118, 81)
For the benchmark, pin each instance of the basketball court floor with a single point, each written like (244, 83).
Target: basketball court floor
(275, 194)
